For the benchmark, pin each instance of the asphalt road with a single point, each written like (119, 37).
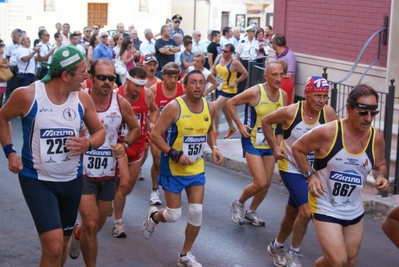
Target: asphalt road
(220, 241)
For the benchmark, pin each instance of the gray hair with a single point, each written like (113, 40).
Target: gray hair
(147, 31)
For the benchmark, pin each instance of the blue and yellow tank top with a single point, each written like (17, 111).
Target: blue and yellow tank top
(224, 73)
(254, 114)
(188, 134)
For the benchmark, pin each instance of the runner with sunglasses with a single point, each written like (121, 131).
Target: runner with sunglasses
(143, 104)
(345, 152)
(296, 120)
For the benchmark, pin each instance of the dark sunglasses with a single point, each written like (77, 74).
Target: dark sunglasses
(103, 77)
(95, 28)
(365, 113)
(104, 36)
(225, 51)
(176, 21)
(87, 30)
(2, 45)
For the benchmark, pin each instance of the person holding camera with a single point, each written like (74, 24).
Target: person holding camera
(26, 62)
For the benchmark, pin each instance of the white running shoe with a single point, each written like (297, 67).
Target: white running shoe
(278, 255)
(237, 213)
(74, 244)
(154, 198)
(141, 175)
(253, 218)
(148, 226)
(188, 260)
(118, 230)
(293, 259)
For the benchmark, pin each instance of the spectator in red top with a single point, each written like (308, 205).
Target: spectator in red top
(287, 84)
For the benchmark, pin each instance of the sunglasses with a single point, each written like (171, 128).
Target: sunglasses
(365, 113)
(95, 28)
(176, 21)
(104, 36)
(225, 51)
(103, 77)
(46, 34)
(87, 30)
(2, 45)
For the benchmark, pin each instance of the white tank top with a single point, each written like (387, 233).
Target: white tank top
(45, 129)
(101, 163)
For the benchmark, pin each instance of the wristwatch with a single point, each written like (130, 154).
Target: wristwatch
(125, 144)
(91, 147)
(308, 173)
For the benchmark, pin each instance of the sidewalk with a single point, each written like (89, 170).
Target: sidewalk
(233, 160)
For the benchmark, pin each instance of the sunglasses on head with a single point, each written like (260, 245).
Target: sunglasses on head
(365, 113)
(103, 77)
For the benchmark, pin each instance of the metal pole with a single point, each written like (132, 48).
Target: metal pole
(388, 128)
(195, 14)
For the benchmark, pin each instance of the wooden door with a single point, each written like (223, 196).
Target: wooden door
(97, 13)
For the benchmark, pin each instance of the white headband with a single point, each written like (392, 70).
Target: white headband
(136, 81)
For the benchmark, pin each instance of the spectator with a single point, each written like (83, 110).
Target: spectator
(96, 29)
(94, 40)
(44, 55)
(136, 44)
(227, 36)
(214, 47)
(176, 19)
(58, 40)
(148, 45)
(3, 64)
(102, 50)
(279, 44)
(165, 49)
(66, 33)
(10, 51)
(179, 41)
(121, 29)
(26, 62)
(186, 57)
(126, 55)
(118, 44)
(74, 40)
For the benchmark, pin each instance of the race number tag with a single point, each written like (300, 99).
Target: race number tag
(53, 144)
(310, 157)
(260, 137)
(193, 146)
(220, 81)
(99, 163)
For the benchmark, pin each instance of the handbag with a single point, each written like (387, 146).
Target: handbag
(120, 67)
(5, 74)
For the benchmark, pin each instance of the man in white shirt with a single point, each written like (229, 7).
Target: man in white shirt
(179, 40)
(10, 52)
(75, 41)
(227, 36)
(197, 44)
(45, 53)
(147, 47)
(26, 62)
(65, 33)
(247, 50)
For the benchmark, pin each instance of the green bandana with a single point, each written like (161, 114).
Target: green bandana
(63, 59)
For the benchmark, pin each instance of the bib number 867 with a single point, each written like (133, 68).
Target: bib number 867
(343, 190)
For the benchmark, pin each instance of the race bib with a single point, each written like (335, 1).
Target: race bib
(193, 146)
(220, 81)
(260, 139)
(53, 144)
(99, 163)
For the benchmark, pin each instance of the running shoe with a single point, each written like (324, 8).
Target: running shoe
(188, 260)
(141, 175)
(154, 198)
(278, 255)
(118, 230)
(230, 133)
(237, 213)
(74, 243)
(148, 226)
(253, 218)
(293, 259)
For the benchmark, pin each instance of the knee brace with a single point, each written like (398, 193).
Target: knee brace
(172, 215)
(195, 214)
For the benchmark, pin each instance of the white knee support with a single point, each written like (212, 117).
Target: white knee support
(195, 214)
(172, 215)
